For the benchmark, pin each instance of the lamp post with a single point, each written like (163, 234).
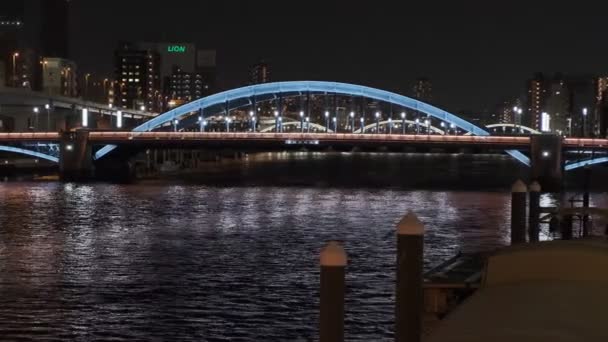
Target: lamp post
(335, 120)
(119, 119)
(517, 118)
(252, 120)
(452, 126)
(301, 121)
(443, 127)
(362, 124)
(86, 85)
(276, 121)
(326, 122)
(15, 78)
(85, 117)
(377, 122)
(403, 122)
(352, 122)
(44, 64)
(427, 123)
(390, 125)
(307, 124)
(417, 126)
(36, 110)
(48, 117)
(281, 124)
(228, 121)
(584, 122)
(175, 122)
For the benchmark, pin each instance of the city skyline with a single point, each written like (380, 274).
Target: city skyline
(473, 54)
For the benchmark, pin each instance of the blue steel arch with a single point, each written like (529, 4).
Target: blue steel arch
(310, 86)
(584, 163)
(29, 153)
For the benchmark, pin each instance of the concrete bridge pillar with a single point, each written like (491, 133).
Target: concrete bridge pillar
(547, 164)
(75, 156)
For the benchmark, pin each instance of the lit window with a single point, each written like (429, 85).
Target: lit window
(137, 80)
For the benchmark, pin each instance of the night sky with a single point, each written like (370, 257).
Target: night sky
(475, 52)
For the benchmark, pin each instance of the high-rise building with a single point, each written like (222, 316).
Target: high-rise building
(423, 89)
(180, 74)
(259, 73)
(601, 105)
(557, 105)
(186, 86)
(509, 112)
(536, 99)
(137, 78)
(54, 33)
(11, 36)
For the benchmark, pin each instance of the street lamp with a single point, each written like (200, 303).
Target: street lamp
(443, 127)
(281, 124)
(403, 122)
(86, 85)
(377, 122)
(15, 78)
(427, 122)
(326, 121)
(301, 121)
(276, 121)
(48, 117)
(417, 126)
(36, 110)
(452, 126)
(85, 117)
(175, 122)
(390, 125)
(584, 122)
(517, 117)
(252, 120)
(142, 108)
(352, 122)
(228, 121)
(362, 125)
(307, 124)
(335, 120)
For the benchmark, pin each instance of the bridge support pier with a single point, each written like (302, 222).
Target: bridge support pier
(75, 156)
(547, 165)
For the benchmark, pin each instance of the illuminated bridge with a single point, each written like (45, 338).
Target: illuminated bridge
(309, 113)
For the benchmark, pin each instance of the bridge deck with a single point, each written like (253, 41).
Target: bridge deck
(122, 137)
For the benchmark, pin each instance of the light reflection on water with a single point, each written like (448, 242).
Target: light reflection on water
(190, 261)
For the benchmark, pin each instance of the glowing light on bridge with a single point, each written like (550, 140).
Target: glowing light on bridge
(85, 117)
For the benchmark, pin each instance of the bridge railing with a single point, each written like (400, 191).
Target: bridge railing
(29, 136)
(378, 138)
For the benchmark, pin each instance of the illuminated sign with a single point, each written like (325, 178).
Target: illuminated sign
(176, 48)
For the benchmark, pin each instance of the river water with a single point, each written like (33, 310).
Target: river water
(231, 253)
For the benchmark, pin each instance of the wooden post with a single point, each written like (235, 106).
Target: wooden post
(331, 310)
(534, 212)
(587, 180)
(409, 296)
(518, 212)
